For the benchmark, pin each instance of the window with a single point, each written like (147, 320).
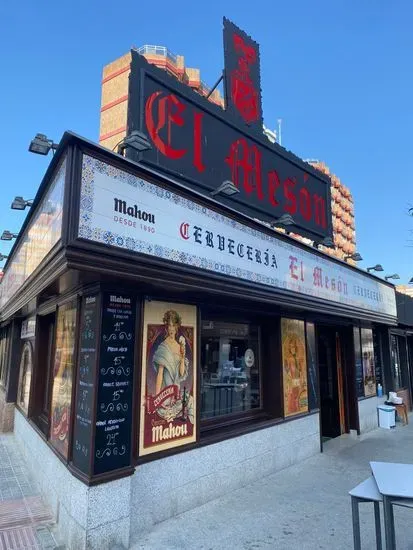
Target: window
(294, 367)
(62, 377)
(369, 375)
(313, 400)
(40, 411)
(230, 373)
(4, 332)
(25, 377)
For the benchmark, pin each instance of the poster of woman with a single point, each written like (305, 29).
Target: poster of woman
(168, 396)
(294, 367)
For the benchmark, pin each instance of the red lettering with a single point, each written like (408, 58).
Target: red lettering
(320, 210)
(169, 112)
(289, 195)
(198, 142)
(245, 163)
(293, 267)
(305, 203)
(273, 185)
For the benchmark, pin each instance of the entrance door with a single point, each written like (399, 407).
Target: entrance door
(332, 396)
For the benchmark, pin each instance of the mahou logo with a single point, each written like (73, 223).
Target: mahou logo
(184, 230)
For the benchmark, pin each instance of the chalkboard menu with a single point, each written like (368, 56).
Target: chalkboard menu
(358, 363)
(85, 384)
(313, 401)
(115, 384)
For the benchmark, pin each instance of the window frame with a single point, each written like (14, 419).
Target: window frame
(4, 355)
(227, 421)
(45, 324)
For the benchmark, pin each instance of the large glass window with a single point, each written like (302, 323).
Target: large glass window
(294, 367)
(25, 377)
(230, 381)
(369, 376)
(3, 355)
(396, 369)
(313, 400)
(62, 377)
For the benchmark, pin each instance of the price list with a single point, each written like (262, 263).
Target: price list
(115, 384)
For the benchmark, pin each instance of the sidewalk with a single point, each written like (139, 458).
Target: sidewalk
(25, 521)
(304, 507)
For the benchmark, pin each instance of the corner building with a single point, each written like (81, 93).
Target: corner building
(159, 347)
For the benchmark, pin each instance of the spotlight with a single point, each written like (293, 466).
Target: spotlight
(136, 140)
(7, 236)
(283, 221)
(41, 145)
(377, 267)
(20, 204)
(226, 188)
(394, 276)
(356, 257)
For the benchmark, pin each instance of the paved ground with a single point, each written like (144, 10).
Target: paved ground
(304, 507)
(25, 521)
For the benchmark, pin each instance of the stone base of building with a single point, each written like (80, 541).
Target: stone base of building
(119, 512)
(6, 414)
(95, 518)
(368, 413)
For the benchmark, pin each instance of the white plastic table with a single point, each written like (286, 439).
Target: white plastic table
(395, 483)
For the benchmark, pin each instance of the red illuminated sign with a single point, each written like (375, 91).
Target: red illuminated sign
(200, 143)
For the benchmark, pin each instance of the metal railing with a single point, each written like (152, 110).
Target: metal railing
(157, 50)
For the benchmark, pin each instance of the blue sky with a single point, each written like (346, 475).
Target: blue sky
(339, 74)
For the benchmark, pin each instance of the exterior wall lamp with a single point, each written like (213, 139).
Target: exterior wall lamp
(394, 276)
(327, 242)
(227, 188)
(7, 236)
(356, 257)
(136, 140)
(19, 203)
(283, 221)
(41, 145)
(377, 267)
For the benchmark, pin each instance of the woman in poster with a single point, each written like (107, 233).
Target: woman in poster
(171, 366)
(295, 376)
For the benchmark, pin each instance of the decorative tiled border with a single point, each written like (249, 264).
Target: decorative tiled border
(87, 231)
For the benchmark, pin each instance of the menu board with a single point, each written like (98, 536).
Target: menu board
(115, 384)
(313, 401)
(85, 389)
(358, 363)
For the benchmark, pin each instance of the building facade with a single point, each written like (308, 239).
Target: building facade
(161, 344)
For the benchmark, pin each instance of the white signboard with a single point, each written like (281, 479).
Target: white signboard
(122, 210)
(28, 329)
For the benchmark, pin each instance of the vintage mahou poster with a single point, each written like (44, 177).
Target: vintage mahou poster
(168, 396)
(62, 377)
(294, 367)
(367, 348)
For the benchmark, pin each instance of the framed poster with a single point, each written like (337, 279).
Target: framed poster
(25, 376)
(367, 350)
(168, 384)
(294, 367)
(62, 377)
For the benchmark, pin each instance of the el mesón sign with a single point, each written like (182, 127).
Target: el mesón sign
(202, 144)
